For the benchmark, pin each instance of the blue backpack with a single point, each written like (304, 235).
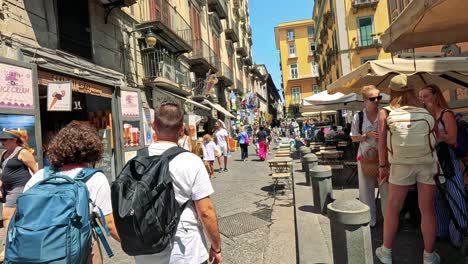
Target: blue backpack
(53, 222)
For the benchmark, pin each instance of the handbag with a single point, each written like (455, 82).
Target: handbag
(445, 159)
(370, 163)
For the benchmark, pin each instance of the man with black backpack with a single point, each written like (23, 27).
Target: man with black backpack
(163, 216)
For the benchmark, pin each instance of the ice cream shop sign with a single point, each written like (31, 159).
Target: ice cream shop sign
(16, 89)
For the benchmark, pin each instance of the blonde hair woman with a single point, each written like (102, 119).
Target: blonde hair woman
(407, 158)
(454, 193)
(364, 130)
(209, 154)
(16, 162)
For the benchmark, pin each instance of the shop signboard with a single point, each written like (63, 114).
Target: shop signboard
(16, 87)
(59, 96)
(130, 104)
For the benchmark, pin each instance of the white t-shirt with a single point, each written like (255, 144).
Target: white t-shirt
(221, 136)
(184, 143)
(191, 182)
(209, 153)
(367, 126)
(98, 187)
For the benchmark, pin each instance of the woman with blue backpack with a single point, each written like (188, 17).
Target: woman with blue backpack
(56, 215)
(451, 203)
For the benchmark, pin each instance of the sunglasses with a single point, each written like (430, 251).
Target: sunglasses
(372, 99)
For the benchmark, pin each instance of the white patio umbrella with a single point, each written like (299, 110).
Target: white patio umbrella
(352, 101)
(447, 73)
(427, 23)
(309, 104)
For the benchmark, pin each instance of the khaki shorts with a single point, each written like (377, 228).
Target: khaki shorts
(406, 175)
(224, 150)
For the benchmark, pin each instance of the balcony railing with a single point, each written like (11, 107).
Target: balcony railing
(241, 48)
(199, 88)
(218, 6)
(201, 50)
(160, 64)
(225, 74)
(168, 15)
(358, 4)
(232, 31)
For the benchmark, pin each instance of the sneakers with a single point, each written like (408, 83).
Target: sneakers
(225, 169)
(384, 255)
(431, 258)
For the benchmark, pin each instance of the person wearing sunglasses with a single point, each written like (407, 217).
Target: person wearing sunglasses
(364, 130)
(16, 162)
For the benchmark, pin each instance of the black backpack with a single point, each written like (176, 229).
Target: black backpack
(145, 210)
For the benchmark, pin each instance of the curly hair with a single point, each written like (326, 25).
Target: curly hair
(77, 143)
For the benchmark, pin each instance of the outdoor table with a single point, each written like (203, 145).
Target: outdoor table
(283, 151)
(282, 154)
(280, 159)
(332, 141)
(328, 148)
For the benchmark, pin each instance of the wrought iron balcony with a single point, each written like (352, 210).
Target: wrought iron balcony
(199, 89)
(248, 60)
(241, 48)
(218, 6)
(164, 70)
(203, 58)
(232, 31)
(360, 4)
(225, 74)
(237, 3)
(173, 31)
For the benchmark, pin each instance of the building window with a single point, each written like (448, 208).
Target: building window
(310, 32)
(366, 59)
(292, 50)
(296, 95)
(365, 25)
(74, 28)
(290, 34)
(316, 89)
(312, 46)
(293, 71)
(314, 69)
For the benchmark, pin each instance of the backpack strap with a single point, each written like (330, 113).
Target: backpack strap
(171, 153)
(361, 121)
(85, 174)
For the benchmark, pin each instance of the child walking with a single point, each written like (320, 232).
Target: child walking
(209, 154)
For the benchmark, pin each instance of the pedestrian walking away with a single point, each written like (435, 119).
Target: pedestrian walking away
(451, 204)
(75, 148)
(221, 137)
(192, 186)
(262, 143)
(16, 162)
(409, 159)
(364, 130)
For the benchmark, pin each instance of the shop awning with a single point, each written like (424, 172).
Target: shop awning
(218, 108)
(427, 23)
(447, 73)
(352, 101)
(186, 100)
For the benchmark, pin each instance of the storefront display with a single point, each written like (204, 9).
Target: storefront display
(131, 133)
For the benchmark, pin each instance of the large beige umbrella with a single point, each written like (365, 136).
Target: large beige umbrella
(427, 23)
(447, 73)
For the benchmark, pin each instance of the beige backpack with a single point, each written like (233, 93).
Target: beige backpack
(410, 138)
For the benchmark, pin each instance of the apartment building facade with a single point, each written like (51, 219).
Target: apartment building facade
(118, 60)
(296, 42)
(348, 35)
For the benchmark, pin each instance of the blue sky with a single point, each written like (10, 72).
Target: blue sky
(265, 15)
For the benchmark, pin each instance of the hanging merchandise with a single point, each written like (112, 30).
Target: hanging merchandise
(252, 101)
(233, 98)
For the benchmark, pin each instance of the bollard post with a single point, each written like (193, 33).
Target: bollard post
(304, 151)
(320, 176)
(310, 160)
(350, 232)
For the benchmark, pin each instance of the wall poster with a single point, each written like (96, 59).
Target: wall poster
(130, 104)
(16, 87)
(59, 96)
(25, 124)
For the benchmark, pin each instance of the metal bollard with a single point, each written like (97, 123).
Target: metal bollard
(350, 232)
(321, 177)
(310, 160)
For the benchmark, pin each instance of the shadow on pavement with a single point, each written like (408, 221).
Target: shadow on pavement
(309, 209)
(302, 184)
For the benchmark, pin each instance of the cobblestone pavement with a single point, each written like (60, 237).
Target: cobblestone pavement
(246, 188)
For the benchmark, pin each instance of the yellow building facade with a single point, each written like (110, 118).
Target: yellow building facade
(296, 43)
(348, 35)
